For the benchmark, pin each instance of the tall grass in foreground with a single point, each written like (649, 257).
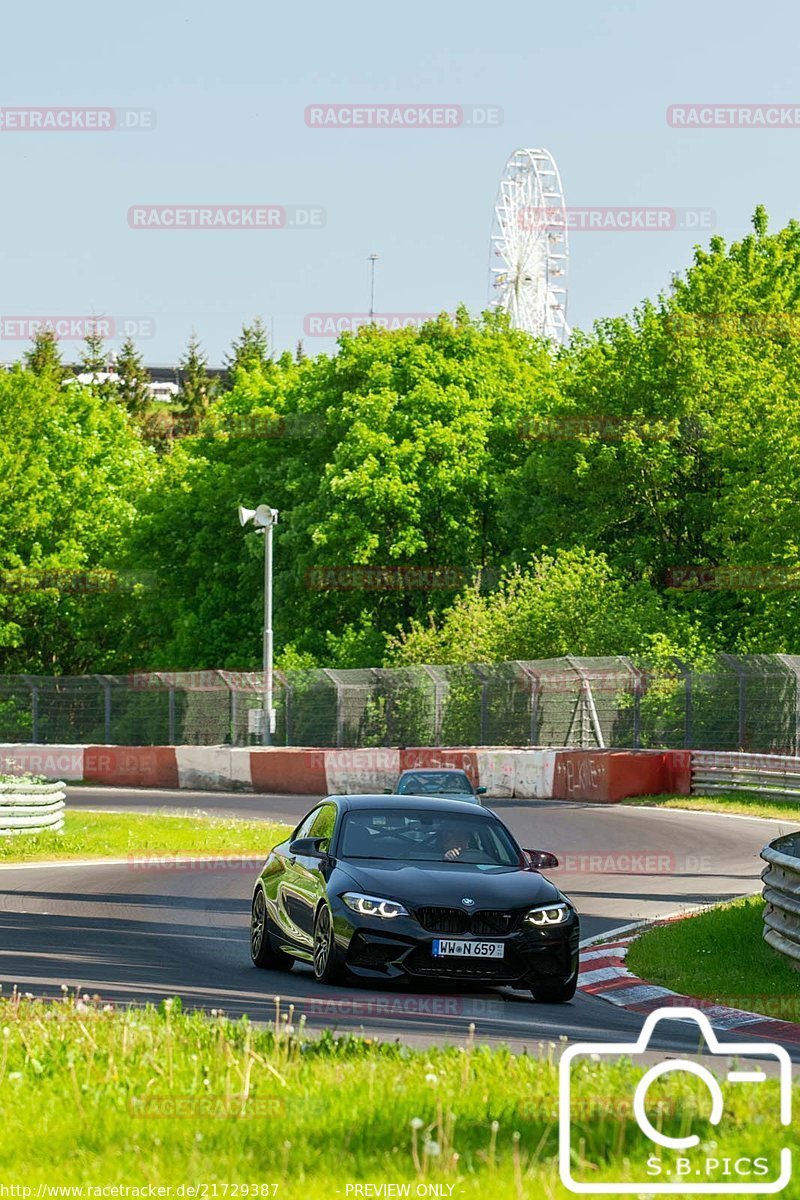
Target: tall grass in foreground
(94, 1096)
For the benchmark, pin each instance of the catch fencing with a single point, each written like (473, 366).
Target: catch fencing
(750, 702)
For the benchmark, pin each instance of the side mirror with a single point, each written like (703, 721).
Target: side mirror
(308, 847)
(541, 860)
(481, 791)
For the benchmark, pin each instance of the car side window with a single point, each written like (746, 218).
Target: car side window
(323, 824)
(304, 828)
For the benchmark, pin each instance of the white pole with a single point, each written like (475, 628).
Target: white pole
(267, 729)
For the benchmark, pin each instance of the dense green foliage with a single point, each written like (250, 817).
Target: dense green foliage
(456, 492)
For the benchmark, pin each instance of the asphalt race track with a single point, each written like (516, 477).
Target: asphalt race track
(137, 933)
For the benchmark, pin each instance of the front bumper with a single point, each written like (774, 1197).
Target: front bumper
(372, 948)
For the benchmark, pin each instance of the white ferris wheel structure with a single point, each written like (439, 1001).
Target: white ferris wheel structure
(529, 246)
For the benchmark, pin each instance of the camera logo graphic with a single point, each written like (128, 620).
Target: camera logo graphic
(679, 1165)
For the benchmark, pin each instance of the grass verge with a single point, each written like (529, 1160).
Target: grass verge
(720, 955)
(744, 803)
(93, 1097)
(121, 835)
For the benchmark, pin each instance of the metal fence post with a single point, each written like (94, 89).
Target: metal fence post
(535, 692)
(339, 705)
(535, 685)
(789, 664)
(171, 716)
(106, 686)
(637, 698)
(637, 713)
(34, 690)
(587, 705)
(687, 674)
(437, 704)
(741, 726)
(484, 731)
(287, 692)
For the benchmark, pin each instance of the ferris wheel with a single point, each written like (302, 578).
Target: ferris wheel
(529, 247)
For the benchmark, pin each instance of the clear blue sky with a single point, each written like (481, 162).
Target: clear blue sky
(591, 81)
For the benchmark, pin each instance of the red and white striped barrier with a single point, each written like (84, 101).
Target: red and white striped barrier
(601, 776)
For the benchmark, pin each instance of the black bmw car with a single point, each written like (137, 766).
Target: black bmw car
(402, 887)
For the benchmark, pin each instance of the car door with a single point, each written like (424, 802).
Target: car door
(304, 881)
(288, 901)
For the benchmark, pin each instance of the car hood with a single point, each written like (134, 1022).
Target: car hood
(449, 883)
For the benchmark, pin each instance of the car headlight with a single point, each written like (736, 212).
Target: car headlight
(373, 906)
(550, 914)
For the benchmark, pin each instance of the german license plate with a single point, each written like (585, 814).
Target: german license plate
(460, 948)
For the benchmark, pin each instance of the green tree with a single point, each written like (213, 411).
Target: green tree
(645, 455)
(249, 352)
(392, 455)
(570, 602)
(44, 355)
(94, 356)
(196, 384)
(133, 387)
(72, 471)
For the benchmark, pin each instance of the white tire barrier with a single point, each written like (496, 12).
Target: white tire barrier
(31, 808)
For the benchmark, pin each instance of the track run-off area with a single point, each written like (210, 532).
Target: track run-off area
(134, 931)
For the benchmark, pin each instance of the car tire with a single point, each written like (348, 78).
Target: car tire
(327, 963)
(555, 993)
(262, 950)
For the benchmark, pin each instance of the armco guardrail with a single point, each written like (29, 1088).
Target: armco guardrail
(782, 893)
(774, 775)
(31, 807)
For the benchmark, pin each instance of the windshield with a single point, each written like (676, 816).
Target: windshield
(434, 783)
(424, 836)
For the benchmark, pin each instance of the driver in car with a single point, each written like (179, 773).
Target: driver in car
(453, 843)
